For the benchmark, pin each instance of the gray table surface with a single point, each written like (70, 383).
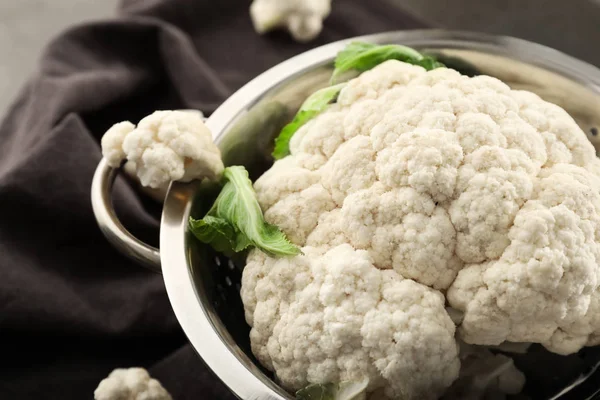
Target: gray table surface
(572, 26)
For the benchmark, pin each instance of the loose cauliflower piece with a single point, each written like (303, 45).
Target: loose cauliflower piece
(335, 316)
(302, 18)
(130, 384)
(486, 194)
(165, 146)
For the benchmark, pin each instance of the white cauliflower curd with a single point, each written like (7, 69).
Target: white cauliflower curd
(416, 188)
(302, 18)
(335, 316)
(165, 146)
(130, 384)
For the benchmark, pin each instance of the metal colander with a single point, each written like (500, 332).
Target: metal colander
(204, 286)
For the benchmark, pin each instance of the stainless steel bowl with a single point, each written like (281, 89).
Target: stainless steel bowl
(203, 287)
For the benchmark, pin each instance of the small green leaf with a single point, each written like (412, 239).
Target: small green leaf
(315, 104)
(346, 390)
(216, 231)
(235, 221)
(362, 57)
(352, 390)
(357, 56)
(429, 63)
(317, 392)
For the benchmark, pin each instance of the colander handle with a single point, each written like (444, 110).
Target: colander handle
(111, 227)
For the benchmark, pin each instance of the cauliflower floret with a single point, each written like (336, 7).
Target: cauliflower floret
(320, 142)
(351, 169)
(430, 179)
(541, 287)
(130, 384)
(287, 188)
(480, 220)
(112, 143)
(376, 82)
(285, 178)
(424, 159)
(335, 316)
(306, 207)
(302, 18)
(401, 229)
(165, 146)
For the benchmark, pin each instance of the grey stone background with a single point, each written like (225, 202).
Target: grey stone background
(26, 26)
(572, 26)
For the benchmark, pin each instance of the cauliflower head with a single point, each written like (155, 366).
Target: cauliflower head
(130, 384)
(165, 146)
(302, 18)
(426, 183)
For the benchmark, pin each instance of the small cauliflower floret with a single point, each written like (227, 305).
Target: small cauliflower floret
(320, 142)
(425, 159)
(372, 84)
(350, 169)
(292, 198)
(361, 118)
(401, 229)
(475, 130)
(130, 384)
(485, 210)
(112, 143)
(523, 137)
(328, 232)
(299, 213)
(335, 317)
(561, 131)
(493, 183)
(302, 18)
(165, 146)
(158, 194)
(283, 179)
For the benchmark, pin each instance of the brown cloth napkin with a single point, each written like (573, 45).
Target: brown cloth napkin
(72, 308)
